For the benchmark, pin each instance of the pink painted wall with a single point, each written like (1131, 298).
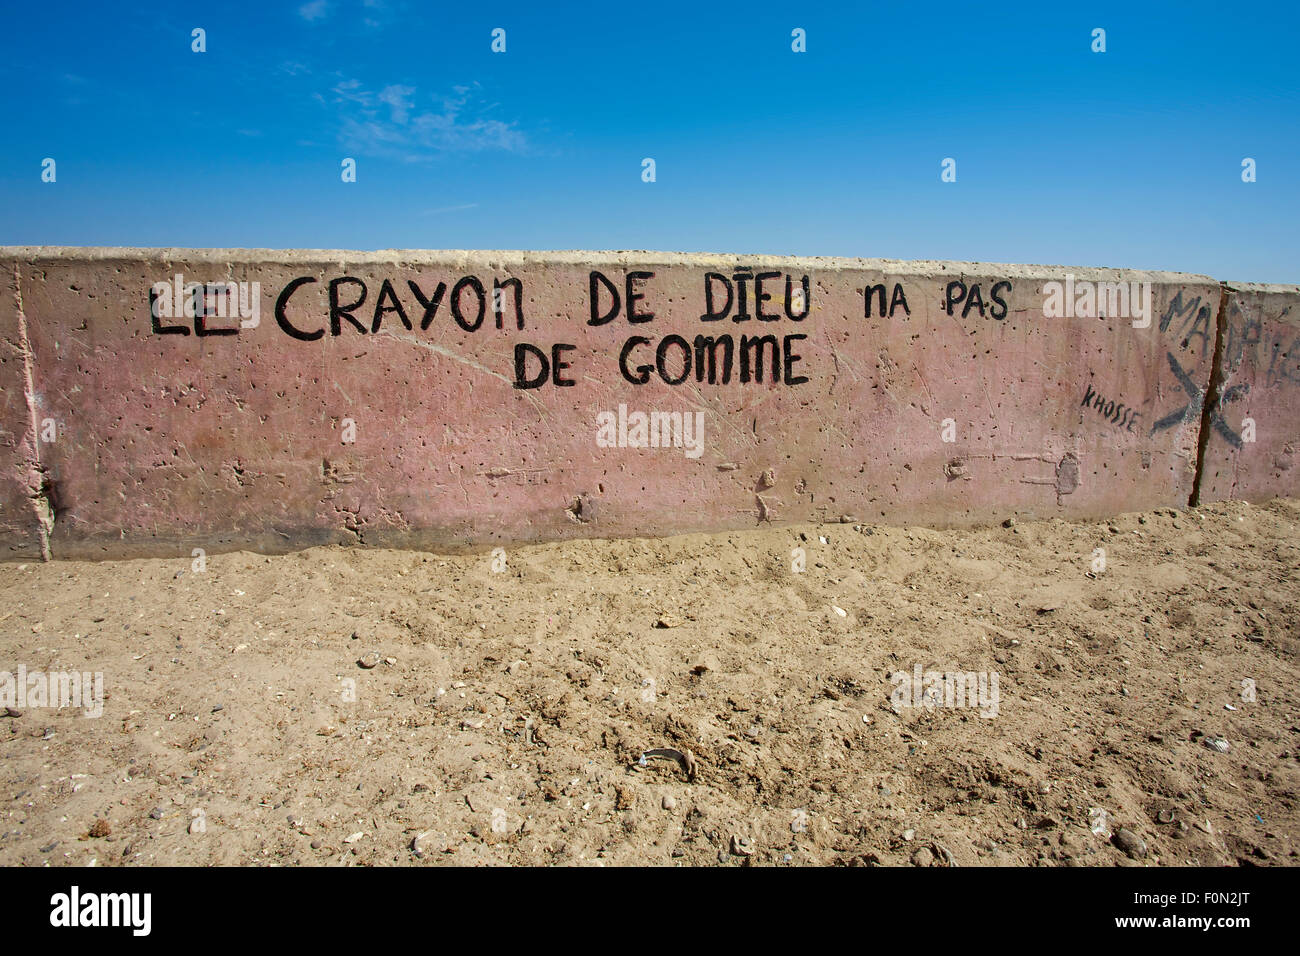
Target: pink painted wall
(21, 530)
(168, 441)
(1260, 366)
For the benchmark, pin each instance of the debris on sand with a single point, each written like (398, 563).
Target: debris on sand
(685, 759)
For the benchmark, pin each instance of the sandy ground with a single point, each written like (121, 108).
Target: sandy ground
(506, 718)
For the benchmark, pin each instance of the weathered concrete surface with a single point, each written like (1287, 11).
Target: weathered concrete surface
(21, 529)
(1252, 442)
(172, 441)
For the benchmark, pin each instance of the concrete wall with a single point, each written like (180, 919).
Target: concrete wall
(1256, 394)
(931, 392)
(21, 529)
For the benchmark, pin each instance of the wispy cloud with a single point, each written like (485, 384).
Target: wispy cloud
(397, 123)
(442, 209)
(314, 10)
(373, 14)
(378, 13)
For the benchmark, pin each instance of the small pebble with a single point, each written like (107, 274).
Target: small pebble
(422, 845)
(1130, 843)
(668, 802)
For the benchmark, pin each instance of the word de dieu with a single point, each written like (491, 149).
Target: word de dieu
(717, 359)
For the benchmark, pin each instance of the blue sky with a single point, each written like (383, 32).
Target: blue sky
(1130, 157)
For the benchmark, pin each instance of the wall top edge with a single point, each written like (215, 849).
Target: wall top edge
(1268, 288)
(497, 258)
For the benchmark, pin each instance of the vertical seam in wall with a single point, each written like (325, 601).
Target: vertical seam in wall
(37, 493)
(1212, 392)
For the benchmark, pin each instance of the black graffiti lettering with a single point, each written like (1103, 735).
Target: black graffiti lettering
(999, 309)
(156, 324)
(1202, 327)
(338, 311)
(1216, 416)
(713, 359)
(430, 306)
(973, 300)
(1240, 338)
(710, 314)
(1179, 309)
(957, 291)
(558, 365)
(751, 357)
(1195, 394)
(789, 360)
(661, 358)
(201, 325)
(386, 293)
(522, 351)
(1118, 414)
(282, 319)
(635, 295)
(642, 371)
(875, 290)
(499, 299)
(897, 298)
(551, 367)
(789, 297)
(742, 297)
(950, 299)
(1286, 371)
(471, 282)
(760, 296)
(708, 345)
(596, 317)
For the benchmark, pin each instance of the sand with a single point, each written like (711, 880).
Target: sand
(507, 712)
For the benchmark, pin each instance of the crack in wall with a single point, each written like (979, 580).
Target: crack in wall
(40, 489)
(1213, 394)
